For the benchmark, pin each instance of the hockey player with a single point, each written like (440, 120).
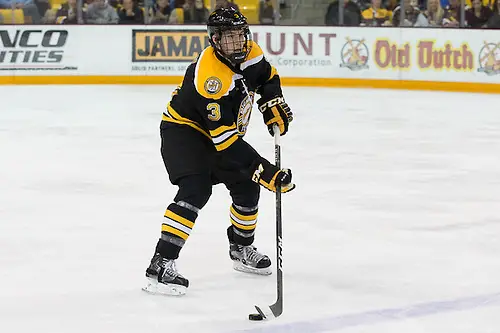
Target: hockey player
(202, 133)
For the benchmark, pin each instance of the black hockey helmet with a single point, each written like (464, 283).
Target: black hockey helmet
(229, 34)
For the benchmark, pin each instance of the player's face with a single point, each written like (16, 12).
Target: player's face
(232, 41)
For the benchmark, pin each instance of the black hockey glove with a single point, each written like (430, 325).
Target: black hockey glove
(275, 112)
(269, 176)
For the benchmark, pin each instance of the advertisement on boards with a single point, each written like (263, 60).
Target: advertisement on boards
(418, 54)
(286, 48)
(170, 51)
(489, 58)
(331, 52)
(166, 51)
(26, 49)
(315, 53)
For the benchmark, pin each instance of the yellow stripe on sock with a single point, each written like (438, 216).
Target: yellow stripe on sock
(243, 227)
(243, 217)
(174, 231)
(179, 219)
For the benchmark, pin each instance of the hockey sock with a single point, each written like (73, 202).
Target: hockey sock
(175, 229)
(243, 223)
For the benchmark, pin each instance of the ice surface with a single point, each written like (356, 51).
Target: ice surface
(394, 225)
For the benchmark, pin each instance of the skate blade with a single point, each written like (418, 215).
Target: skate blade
(240, 267)
(153, 287)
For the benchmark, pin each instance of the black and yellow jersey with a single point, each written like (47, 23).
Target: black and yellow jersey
(216, 98)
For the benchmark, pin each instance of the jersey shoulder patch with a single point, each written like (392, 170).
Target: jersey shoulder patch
(212, 78)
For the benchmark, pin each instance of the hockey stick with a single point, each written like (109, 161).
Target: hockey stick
(277, 308)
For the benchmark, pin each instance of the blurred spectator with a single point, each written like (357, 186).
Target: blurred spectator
(28, 7)
(195, 12)
(225, 4)
(452, 14)
(100, 12)
(266, 13)
(494, 21)
(432, 16)
(486, 3)
(352, 14)
(130, 13)
(468, 3)
(1, 19)
(115, 3)
(68, 13)
(410, 17)
(478, 15)
(390, 4)
(42, 5)
(376, 16)
(49, 17)
(160, 12)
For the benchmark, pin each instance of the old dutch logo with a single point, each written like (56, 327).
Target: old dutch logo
(354, 54)
(489, 59)
(213, 85)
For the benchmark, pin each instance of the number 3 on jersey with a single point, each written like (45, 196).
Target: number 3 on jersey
(243, 117)
(214, 111)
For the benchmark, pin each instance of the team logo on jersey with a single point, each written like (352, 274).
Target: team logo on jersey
(354, 54)
(244, 113)
(213, 85)
(489, 59)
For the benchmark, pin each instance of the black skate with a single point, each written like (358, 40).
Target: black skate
(247, 259)
(163, 278)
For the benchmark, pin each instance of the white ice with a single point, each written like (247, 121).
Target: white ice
(394, 225)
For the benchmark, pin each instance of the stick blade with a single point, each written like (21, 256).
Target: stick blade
(276, 309)
(269, 312)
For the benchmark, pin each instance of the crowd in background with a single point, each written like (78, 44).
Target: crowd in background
(119, 11)
(477, 14)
